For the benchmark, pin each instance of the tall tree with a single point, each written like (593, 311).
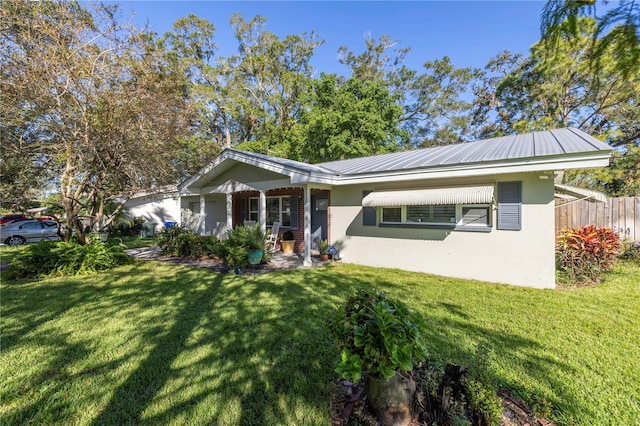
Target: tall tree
(563, 89)
(617, 33)
(250, 100)
(347, 119)
(435, 101)
(272, 75)
(93, 104)
(542, 91)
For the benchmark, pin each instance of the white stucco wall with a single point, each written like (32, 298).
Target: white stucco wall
(157, 208)
(523, 258)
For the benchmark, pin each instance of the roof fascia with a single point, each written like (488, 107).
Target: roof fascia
(564, 162)
(296, 175)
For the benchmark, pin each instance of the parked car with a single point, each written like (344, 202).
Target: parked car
(28, 231)
(5, 218)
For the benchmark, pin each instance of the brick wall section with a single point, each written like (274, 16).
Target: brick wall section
(299, 192)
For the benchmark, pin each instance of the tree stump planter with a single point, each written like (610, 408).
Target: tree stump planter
(391, 400)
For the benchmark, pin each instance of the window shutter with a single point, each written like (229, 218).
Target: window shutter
(368, 213)
(244, 209)
(510, 205)
(294, 212)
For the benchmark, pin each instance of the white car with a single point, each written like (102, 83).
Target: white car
(28, 231)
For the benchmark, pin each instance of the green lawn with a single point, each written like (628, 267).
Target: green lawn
(154, 343)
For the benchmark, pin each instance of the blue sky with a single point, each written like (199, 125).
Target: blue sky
(470, 32)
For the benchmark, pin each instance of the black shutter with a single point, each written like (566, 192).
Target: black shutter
(294, 212)
(510, 205)
(368, 213)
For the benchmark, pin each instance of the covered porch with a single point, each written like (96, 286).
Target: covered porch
(234, 193)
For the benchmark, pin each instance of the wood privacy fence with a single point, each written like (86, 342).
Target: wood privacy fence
(620, 214)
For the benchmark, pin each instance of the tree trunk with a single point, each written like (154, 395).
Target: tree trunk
(391, 400)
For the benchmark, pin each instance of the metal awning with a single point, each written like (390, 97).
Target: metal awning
(433, 196)
(576, 193)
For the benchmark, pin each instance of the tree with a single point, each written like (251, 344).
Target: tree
(617, 31)
(540, 92)
(435, 108)
(92, 104)
(347, 119)
(250, 100)
(544, 91)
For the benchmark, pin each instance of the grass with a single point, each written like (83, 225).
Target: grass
(156, 343)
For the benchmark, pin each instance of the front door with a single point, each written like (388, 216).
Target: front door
(319, 211)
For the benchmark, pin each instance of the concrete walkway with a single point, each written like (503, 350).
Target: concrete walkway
(279, 261)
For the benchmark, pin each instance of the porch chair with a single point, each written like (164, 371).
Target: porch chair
(273, 237)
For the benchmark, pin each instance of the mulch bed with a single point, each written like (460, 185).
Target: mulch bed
(349, 403)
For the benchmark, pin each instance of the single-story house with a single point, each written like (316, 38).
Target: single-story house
(157, 206)
(480, 210)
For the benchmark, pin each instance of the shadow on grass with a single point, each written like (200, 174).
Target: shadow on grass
(215, 349)
(451, 327)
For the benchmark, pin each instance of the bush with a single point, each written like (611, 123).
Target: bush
(129, 228)
(583, 254)
(630, 251)
(377, 335)
(240, 241)
(183, 242)
(48, 258)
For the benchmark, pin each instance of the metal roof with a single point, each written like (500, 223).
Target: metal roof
(513, 147)
(545, 145)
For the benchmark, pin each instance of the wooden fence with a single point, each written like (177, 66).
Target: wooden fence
(619, 214)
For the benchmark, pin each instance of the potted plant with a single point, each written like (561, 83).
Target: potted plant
(380, 338)
(244, 246)
(287, 241)
(255, 243)
(323, 249)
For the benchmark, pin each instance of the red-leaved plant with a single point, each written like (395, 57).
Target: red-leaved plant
(583, 254)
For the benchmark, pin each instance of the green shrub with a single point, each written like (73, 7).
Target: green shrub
(48, 258)
(240, 241)
(630, 250)
(129, 228)
(183, 242)
(288, 235)
(377, 335)
(583, 254)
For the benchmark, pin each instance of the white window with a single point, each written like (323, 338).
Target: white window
(461, 217)
(254, 209)
(437, 214)
(278, 210)
(475, 216)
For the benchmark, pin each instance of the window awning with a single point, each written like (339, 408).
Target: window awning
(433, 196)
(574, 192)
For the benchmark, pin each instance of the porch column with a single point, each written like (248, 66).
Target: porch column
(202, 214)
(229, 211)
(262, 216)
(307, 226)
